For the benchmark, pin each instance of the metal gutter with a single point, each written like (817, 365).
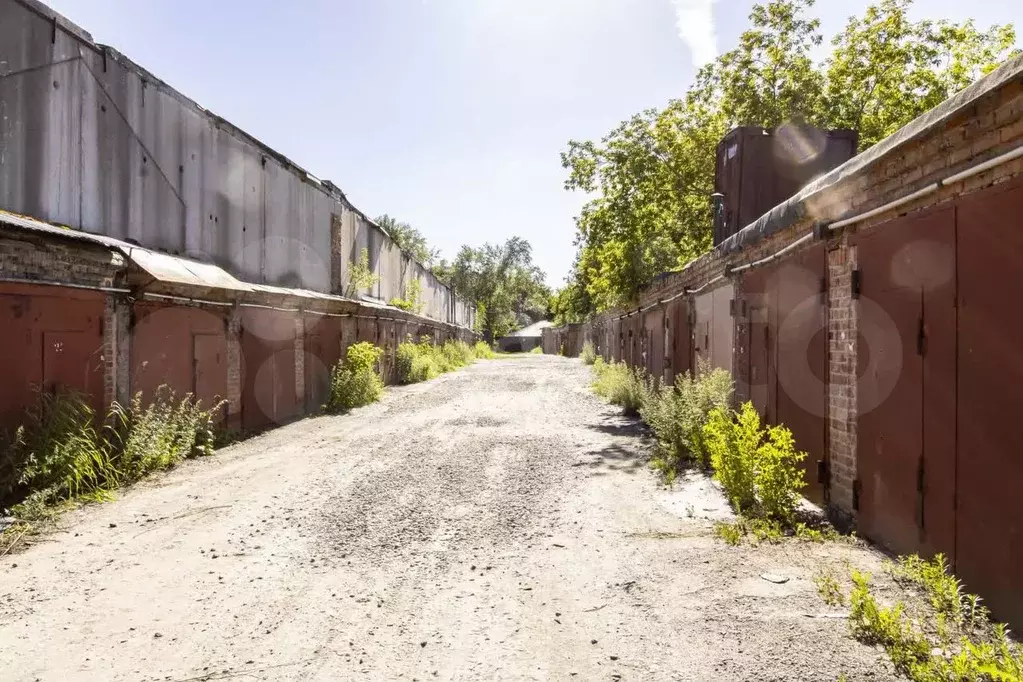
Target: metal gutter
(42, 282)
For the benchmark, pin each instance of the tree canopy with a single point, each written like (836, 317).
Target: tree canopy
(501, 279)
(409, 239)
(652, 176)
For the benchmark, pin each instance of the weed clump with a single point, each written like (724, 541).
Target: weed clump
(621, 385)
(65, 453)
(677, 415)
(483, 351)
(355, 381)
(588, 353)
(538, 350)
(960, 642)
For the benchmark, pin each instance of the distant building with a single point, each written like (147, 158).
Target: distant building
(525, 339)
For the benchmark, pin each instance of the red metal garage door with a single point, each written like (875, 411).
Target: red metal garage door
(654, 329)
(182, 347)
(989, 537)
(269, 395)
(801, 358)
(906, 439)
(52, 338)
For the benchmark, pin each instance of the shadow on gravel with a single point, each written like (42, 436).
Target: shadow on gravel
(612, 457)
(631, 428)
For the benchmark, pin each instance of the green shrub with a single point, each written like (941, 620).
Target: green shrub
(588, 354)
(537, 351)
(758, 469)
(621, 385)
(159, 434)
(355, 381)
(483, 351)
(62, 453)
(422, 361)
(457, 354)
(678, 414)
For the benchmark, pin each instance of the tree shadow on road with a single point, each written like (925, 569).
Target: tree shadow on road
(612, 457)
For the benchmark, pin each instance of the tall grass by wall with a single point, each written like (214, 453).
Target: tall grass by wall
(423, 361)
(65, 451)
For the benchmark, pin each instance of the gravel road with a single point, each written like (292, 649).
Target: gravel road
(498, 523)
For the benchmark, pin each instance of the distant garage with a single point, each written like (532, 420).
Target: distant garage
(525, 339)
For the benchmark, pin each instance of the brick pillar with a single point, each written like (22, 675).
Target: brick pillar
(234, 369)
(842, 347)
(116, 350)
(300, 361)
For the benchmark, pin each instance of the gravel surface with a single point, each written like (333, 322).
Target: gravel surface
(498, 523)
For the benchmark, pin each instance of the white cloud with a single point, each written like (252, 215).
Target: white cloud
(696, 28)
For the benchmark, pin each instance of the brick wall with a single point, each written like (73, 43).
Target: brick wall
(27, 256)
(234, 369)
(990, 126)
(842, 377)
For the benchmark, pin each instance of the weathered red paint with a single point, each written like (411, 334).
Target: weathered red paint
(653, 330)
(181, 347)
(801, 352)
(52, 339)
(906, 454)
(989, 472)
(322, 353)
(269, 389)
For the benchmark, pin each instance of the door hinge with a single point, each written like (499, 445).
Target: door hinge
(921, 338)
(857, 282)
(731, 307)
(857, 489)
(823, 472)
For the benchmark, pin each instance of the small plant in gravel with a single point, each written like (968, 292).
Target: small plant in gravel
(537, 350)
(588, 354)
(936, 641)
(355, 381)
(828, 588)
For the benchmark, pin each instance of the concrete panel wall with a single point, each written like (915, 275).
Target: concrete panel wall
(91, 140)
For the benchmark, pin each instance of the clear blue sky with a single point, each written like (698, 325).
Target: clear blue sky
(449, 114)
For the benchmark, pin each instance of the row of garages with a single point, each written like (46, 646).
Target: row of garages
(116, 329)
(890, 347)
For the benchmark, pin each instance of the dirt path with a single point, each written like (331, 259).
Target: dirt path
(496, 524)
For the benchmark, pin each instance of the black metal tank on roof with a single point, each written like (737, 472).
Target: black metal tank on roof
(758, 168)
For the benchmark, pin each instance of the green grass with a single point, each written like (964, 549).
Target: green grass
(65, 453)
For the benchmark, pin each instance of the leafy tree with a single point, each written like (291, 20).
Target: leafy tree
(885, 70)
(652, 176)
(501, 279)
(409, 239)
